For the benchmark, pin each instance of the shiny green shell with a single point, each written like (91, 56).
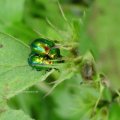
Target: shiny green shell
(54, 53)
(43, 54)
(41, 46)
(38, 62)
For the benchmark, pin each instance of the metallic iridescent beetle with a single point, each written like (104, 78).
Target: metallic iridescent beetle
(43, 54)
(45, 47)
(54, 53)
(41, 46)
(37, 62)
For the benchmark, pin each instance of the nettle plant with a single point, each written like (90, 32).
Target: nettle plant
(93, 94)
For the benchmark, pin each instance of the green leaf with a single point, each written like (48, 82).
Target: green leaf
(11, 10)
(104, 23)
(77, 106)
(114, 112)
(15, 73)
(14, 115)
(19, 30)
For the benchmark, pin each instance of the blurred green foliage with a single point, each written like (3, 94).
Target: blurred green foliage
(29, 19)
(104, 30)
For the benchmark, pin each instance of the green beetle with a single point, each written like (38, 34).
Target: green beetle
(38, 62)
(43, 53)
(41, 46)
(54, 53)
